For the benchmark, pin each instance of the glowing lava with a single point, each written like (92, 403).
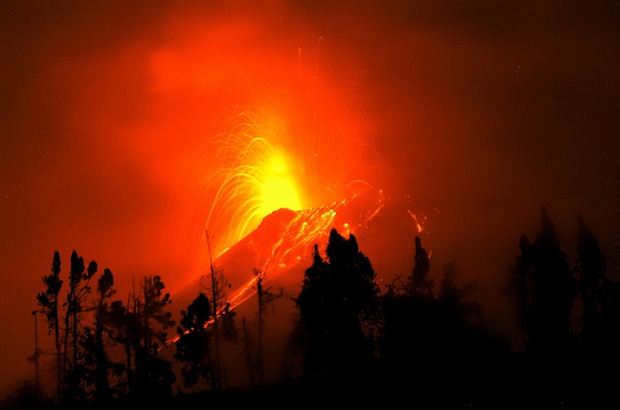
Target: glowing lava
(281, 246)
(253, 178)
(277, 189)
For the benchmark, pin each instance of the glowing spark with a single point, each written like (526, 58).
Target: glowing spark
(418, 226)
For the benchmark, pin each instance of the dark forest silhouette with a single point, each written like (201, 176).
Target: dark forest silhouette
(357, 343)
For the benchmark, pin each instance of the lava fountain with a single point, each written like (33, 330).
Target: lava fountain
(272, 197)
(259, 193)
(251, 179)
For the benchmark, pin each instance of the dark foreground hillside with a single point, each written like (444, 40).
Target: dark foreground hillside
(353, 344)
(484, 386)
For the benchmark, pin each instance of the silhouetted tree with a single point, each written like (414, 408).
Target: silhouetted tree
(217, 289)
(409, 318)
(544, 288)
(420, 284)
(125, 328)
(154, 376)
(105, 291)
(339, 310)
(193, 349)
(600, 297)
(229, 325)
(92, 367)
(430, 340)
(85, 371)
(248, 355)
(141, 328)
(464, 336)
(265, 297)
(552, 300)
(454, 298)
(48, 301)
(79, 288)
(520, 288)
(37, 352)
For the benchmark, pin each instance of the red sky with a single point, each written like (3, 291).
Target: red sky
(471, 114)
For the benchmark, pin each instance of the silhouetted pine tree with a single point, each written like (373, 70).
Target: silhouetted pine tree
(600, 297)
(419, 283)
(466, 337)
(544, 288)
(216, 286)
(433, 341)
(105, 291)
(549, 295)
(407, 317)
(48, 301)
(265, 298)
(79, 288)
(520, 288)
(339, 310)
(93, 364)
(153, 375)
(193, 349)
(126, 329)
(248, 354)
(141, 329)
(229, 325)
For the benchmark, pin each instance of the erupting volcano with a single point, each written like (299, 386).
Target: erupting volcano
(282, 164)
(272, 184)
(281, 246)
(271, 199)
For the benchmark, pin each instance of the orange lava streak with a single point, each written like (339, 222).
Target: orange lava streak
(286, 237)
(417, 223)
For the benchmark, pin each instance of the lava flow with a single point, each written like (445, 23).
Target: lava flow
(281, 246)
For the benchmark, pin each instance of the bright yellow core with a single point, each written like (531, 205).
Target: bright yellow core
(278, 188)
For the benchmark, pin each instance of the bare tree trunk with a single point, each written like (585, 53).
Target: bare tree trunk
(101, 381)
(247, 346)
(75, 334)
(216, 329)
(129, 371)
(58, 360)
(36, 352)
(65, 363)
(261, 324)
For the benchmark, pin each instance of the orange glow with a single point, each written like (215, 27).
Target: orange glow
(274, 131)
(278, 190)
(250, 178)
(233, 126)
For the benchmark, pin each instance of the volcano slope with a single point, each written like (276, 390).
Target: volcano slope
(280, 249)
